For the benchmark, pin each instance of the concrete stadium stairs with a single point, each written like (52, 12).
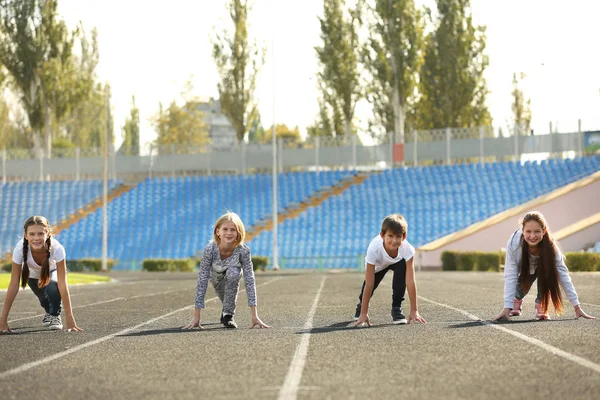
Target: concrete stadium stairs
(313, 201)
(90, 208)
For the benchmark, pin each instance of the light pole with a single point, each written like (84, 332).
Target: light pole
(274, 151)
(105, 188)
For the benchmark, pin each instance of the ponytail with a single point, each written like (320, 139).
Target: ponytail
(25, 267)
(45, 273)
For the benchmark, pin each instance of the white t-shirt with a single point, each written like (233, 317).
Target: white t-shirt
(377, 255)
(57, 254)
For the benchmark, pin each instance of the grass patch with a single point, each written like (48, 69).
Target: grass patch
(73, 278)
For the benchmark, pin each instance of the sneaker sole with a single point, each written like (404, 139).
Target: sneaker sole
(55, 327)
(400, 322)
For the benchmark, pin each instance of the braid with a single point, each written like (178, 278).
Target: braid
(25, 267)
(45, 274)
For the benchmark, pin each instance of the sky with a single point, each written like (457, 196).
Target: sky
(150, 49)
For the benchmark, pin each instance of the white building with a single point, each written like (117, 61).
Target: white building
(220, 129)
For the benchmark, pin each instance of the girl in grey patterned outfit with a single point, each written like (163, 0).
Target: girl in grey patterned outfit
(225, 258)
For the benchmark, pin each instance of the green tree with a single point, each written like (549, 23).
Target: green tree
(451, 84)
(328, 122)
(338, 76)
(181, 126)
(7, 127)
(256, 133)
(131, 132)
(238, 62)
(284, 133)
(34, 44)
(393, 55)
(87, 118)
(521, 108)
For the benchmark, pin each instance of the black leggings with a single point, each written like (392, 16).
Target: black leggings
(398, 284)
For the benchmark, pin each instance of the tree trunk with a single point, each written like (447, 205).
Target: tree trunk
(398, 117)
(47, 131)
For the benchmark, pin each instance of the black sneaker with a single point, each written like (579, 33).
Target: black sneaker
(357, 312)
(227, 321)
(397, 317)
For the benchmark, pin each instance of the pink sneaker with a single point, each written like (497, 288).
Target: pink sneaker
(540, 314)
(516, 310)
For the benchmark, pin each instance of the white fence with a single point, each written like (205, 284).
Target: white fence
(443, 146)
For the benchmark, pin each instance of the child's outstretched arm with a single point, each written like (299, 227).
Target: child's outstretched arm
(511, 277)
(567, 285)
(580, 313)
(201, 286)
(11, 293)
(195, 323)
(63, 288)
(369, 284)
(256, 321)
(249, 281)
(411, 286)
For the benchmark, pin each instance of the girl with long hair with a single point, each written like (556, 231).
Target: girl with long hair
(532, 254)
(38, 261)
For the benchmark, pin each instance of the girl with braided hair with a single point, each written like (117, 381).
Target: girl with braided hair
(39, 262)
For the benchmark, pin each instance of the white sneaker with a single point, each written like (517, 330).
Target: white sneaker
(55, 323)
(47, 319)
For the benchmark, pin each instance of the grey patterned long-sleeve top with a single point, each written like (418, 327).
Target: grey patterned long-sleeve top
(239, 259)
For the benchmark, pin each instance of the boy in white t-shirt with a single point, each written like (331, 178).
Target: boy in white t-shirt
(390, 251)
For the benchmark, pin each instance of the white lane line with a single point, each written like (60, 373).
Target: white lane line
(156, 294)
(536, 342)
(289, 390)
(83, 306)
(28, 366)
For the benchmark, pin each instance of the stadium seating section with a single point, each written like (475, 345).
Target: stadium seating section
(173, 217)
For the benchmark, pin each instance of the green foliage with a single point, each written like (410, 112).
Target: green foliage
(452, 87)
(8, 129)
(35, 48)
(53, 83)
(86, 125)
(580, 261)
(449, 261)
(489, 261)
(181, 125)
(6, 266)
(86, 122)
(89, 264)
(238, 62)
(338, 75)
(171, 265)
(392, 55)
(521, 109)
(256, 133)
(260, 263)
(131, 132)
(471, 261)
(282, 132)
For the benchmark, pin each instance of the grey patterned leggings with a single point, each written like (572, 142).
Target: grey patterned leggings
(227, 285)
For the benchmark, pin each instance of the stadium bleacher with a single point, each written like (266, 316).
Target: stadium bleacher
(55, 200)
(173, 217)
